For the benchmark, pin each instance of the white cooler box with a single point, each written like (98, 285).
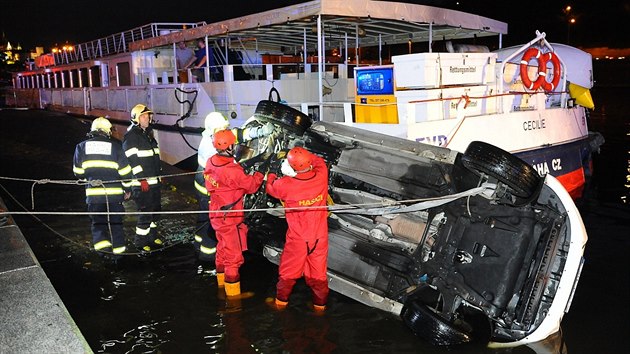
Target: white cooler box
(437, 104)
(434, 70)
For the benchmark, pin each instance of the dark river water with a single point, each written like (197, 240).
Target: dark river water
(169, 303)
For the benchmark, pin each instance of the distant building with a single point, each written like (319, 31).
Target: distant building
(608, 53)
(11, 54)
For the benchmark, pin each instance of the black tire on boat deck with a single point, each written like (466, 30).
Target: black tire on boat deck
(517, 174)
(283, 115)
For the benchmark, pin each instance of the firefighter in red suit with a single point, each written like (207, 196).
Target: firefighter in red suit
(306, 248)
(227, 183)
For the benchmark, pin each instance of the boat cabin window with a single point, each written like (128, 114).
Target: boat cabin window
(66, 78)
(74, 78)
(124, 74)
(84, 79)
(96, 76)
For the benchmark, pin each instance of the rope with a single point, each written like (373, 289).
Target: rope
(379, 208)
(375, 208)
(79, 244)
(80, 182)
(511, 93)
(84, 182)
(187, 114)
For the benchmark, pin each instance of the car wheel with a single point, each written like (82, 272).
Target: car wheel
(427, 324)
(518, 175)
(283, 115)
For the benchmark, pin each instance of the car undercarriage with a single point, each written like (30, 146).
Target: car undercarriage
(461, 245)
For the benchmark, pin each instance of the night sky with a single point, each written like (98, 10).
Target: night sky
(603, 23)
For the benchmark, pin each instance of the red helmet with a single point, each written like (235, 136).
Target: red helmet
(223, 139)
(299, 159)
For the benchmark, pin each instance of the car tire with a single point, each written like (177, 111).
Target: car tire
(428, 325)
(283, 115)
(519, 176)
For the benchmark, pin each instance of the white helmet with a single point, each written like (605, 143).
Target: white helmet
(215, 121)
(101, 124)
(137, 111)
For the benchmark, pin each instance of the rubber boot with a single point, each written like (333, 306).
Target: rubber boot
(319, 308)
(281, 305)
(232, 289)
(220, 280)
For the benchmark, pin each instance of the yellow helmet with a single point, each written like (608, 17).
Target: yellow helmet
(214, 122)
(137, 111)
(101, 124)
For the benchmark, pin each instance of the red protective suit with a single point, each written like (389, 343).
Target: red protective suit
(306, 248)
(227, 183)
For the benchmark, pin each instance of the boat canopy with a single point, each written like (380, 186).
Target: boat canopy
(309, 26)
(369, 22)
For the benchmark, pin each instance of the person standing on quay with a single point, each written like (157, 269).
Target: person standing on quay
(101, 158)
(143, 153)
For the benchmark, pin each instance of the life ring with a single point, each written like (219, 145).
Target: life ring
(530, 54)
(549, 86)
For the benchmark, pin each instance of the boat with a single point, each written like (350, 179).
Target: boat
(326, 58)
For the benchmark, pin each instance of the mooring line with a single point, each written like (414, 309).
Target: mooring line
(79, 244)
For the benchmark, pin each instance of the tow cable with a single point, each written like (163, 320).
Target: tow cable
(187, 114)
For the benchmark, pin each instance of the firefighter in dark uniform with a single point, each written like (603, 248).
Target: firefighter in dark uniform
(143, 153)
(100, 159)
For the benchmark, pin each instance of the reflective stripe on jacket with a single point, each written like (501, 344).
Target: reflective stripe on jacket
(143, 153)
(101, 158)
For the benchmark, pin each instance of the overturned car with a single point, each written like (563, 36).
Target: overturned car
(439, 237)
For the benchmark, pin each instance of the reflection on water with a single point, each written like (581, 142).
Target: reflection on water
(610, 117)
(143, 339)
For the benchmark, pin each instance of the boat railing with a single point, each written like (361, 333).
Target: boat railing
(116, 43)
(168, 101)
(105, 101)
(269, 72)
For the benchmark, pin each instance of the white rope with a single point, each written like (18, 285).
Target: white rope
(79, 244)
(381, 208)
(82, 182)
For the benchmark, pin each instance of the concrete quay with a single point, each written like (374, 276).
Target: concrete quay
(33, 317)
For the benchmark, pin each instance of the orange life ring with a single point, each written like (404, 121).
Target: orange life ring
(549, 86)
(530, 54)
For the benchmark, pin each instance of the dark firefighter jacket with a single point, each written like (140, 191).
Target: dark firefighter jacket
(102, 158)
(143, 153)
